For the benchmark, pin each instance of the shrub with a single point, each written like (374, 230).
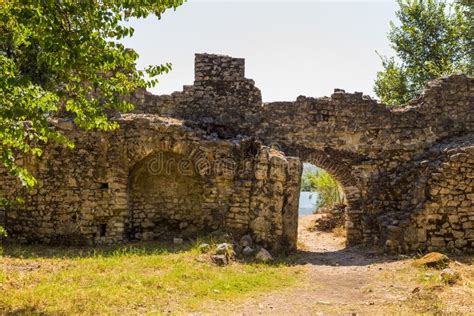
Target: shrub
(329, 190)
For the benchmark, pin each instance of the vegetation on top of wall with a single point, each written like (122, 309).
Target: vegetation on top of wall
(430, 40)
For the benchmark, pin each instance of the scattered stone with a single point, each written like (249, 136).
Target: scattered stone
(237, 248)
(331, 218)
(177, 241)
(220, 260)
(203, 248)
(247, 251)
(224, 249)
(246, 241)
(432, 260)
(449, 276)
(263, 255)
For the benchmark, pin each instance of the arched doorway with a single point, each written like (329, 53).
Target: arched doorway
(319, 190)
(349, 186)
(165, 198)
(321, 214)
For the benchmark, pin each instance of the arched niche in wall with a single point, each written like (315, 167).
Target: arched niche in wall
(166, 198)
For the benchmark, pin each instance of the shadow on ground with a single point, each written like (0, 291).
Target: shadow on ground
(133, 248)
(350, 256)
(353, 256)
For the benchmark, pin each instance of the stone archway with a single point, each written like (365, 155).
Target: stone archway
(165, 197)
(342, 173)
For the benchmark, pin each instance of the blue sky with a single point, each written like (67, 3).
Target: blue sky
(291, 47)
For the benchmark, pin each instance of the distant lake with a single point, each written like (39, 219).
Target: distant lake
(308, 202)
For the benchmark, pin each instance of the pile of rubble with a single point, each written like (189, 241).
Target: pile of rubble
(330, 218)
(228, 251)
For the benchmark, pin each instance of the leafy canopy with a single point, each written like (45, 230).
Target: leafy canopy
(432, 39)
(65, 55)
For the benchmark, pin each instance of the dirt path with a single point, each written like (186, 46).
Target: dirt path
(337, 281)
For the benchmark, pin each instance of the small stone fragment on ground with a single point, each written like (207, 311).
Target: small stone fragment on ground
(449, 276)
(224, 249)
(236, 247)
(246, 241)
(220, 260)
(204, 247)
(432, 260)
(223, 254)
(177, 241)
(263, 255)
(247, 251)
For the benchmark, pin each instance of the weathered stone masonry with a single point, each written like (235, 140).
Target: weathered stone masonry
(154, 178)
(408, 172)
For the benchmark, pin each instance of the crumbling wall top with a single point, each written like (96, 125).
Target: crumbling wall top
(218, 68)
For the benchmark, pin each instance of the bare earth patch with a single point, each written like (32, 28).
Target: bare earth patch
(348, 281)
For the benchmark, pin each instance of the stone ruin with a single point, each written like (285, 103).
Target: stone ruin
(214, 157)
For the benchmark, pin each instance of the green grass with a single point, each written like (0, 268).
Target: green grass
(148, 278)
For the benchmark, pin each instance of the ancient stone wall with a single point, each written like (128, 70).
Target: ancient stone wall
(361, 142)
(406, 171)
(155, 179)
(431, 200)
